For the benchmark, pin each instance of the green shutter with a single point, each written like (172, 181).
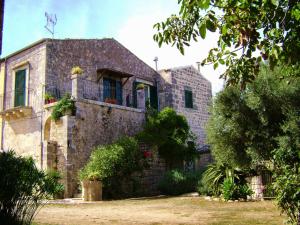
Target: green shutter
(119, 92)
(153, 97)
(188, 96)
(20, 88)
(134, 94)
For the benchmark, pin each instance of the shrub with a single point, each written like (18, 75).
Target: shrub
(233, 191)
(64, 105)
(113, 164)
(177, 182)
(212, 182)
(22, 187)
(171, 134)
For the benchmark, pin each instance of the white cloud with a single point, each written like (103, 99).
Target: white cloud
(136, 34)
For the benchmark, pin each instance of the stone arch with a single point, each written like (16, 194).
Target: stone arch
(47, 129)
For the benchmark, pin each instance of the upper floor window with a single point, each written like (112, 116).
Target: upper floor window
(112, 91)
(150, 94)
(188, 97)
(20, 88)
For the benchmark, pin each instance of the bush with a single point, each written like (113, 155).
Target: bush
(171, 134)
(233, 191)
(113, 165)
(62, 106)
(216, 180)
(176, 182)
(22, 187)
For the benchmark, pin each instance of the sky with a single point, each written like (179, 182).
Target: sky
(128, 21)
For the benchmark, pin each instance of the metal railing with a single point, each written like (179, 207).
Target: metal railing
(16, 98)
(92, 90)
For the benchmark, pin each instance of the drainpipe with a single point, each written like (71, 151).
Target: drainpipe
(42, 117)
(3, 103)
(156, 83)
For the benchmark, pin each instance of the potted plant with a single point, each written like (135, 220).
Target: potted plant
(52, 99)
(91, 185)
(76, 70)
(140, 86)
(65, 106)
(47, 98)
(111, 100)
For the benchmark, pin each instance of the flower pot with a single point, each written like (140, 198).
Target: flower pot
(52, 100)
(111, 101)
(68, 112)
(91, 190)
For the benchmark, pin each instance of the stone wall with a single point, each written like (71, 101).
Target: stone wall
(92, 55)
(97, 123)
(150, 177)
(174, 82)
(24, 135)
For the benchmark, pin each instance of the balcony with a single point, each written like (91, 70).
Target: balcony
(114, 93)
(15, 105)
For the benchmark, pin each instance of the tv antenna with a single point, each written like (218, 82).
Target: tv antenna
(51, 22)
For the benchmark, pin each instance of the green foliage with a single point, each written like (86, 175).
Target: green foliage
(287, 167)
(113, 164)
(213, 179)
(76, 70)
(48, 97)
(170, 132)
(228, 189)
(140, 86)
(244, 124)
(234, 191)
(64, 105)
(244, 27)
(22, 187)
(176, 182)
(58, 189)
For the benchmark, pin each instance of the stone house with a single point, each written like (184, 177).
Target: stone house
(108, 104)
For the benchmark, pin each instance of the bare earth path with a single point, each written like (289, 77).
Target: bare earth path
(177, 210)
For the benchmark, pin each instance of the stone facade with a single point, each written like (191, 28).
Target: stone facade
(173, 84)
(66, 145)
(28, 128)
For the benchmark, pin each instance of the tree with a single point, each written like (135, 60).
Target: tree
(287, 167)
(245, 124)
(262, 123)
(270, 27)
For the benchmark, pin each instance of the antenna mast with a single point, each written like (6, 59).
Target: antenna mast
(51, 22)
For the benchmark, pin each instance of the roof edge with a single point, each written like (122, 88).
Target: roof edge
(44, 40)
(24, 49)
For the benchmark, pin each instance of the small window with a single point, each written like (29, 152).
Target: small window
(20, 88)
(112, 91)
(188, 96)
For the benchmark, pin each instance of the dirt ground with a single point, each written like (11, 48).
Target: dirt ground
(155, 211)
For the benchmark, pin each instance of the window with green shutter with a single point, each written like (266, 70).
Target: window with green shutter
(20, 88)
(188, 96)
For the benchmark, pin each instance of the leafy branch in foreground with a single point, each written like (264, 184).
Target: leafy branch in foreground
(271, 28)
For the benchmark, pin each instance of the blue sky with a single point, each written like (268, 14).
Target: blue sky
(128, 21)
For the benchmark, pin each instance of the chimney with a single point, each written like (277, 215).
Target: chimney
(199, 65)
(155, 60)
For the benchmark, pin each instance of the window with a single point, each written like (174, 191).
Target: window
(112, 91)
(20, 88)
(150, 94)
(188, 96)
